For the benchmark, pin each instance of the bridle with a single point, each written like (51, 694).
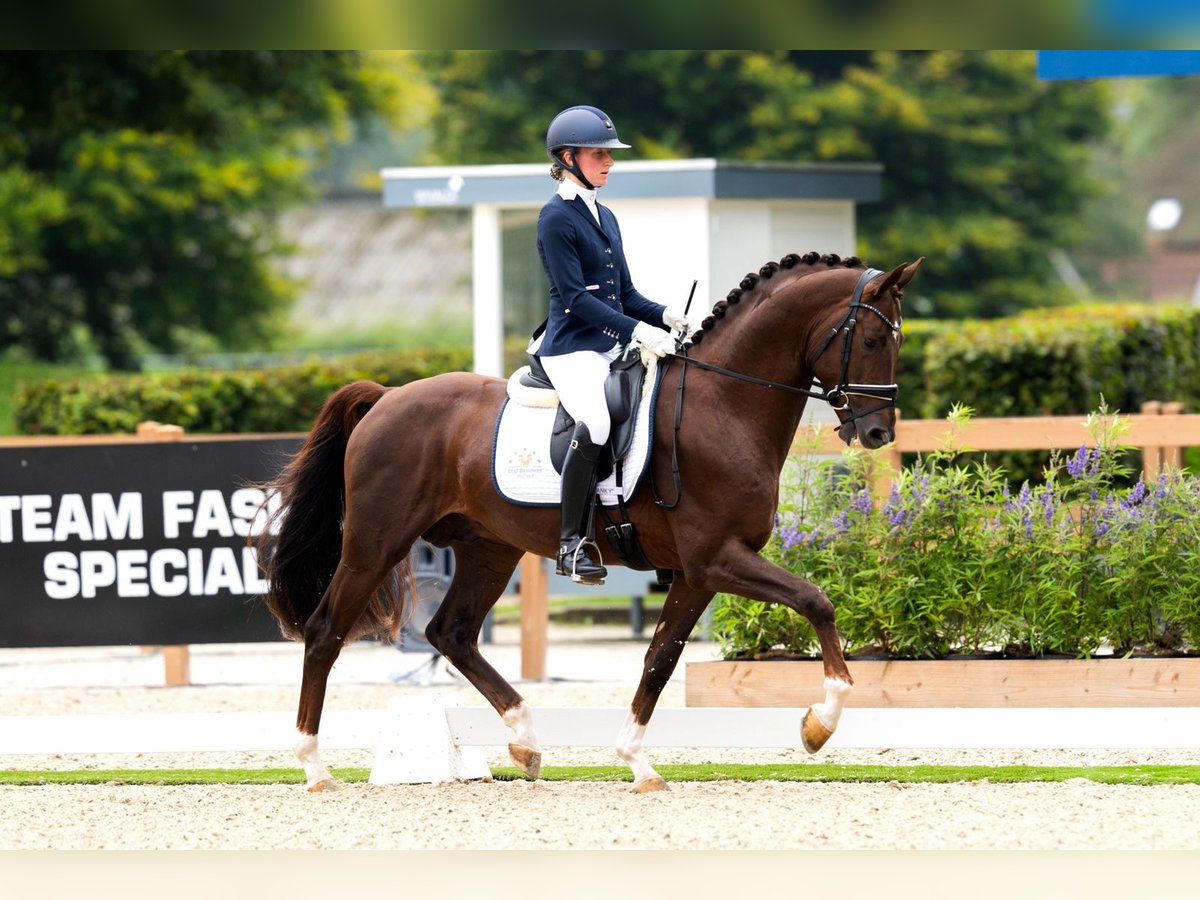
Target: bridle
(837, 397)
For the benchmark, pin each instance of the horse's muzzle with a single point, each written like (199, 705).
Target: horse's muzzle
(875, 437)
(870, 436)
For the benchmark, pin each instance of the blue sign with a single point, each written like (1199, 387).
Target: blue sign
(1118, 63)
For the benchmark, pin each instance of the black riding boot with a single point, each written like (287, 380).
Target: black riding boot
(578, 488)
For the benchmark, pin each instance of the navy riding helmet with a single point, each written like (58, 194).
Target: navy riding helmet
(580, 126)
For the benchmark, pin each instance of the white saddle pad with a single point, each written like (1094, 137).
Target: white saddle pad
(521, 466)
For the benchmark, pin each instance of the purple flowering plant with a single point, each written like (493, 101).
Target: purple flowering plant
(953, 560)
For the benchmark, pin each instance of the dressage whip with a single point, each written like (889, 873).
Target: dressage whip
(686, 309)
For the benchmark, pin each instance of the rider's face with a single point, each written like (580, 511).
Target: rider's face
(595, 163)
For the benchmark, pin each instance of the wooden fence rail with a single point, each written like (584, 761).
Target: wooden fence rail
(1161, 431)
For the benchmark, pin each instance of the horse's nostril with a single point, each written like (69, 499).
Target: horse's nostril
(879, 436)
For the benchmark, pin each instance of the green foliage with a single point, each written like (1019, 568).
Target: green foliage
(986, 168)
(16, 370)
(220, 402)
(919, 336)
(954, 562)
(1060, 362)
(140, 190)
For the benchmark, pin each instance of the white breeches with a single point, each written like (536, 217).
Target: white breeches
(579, 379)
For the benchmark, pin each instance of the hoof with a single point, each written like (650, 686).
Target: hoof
(650, 785)
(813, 733)
(528, 761)
(328, 784)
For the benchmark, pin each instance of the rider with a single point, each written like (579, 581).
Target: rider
(594, 311)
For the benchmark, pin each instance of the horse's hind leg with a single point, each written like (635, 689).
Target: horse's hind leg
(680, 612)
(482, 569)
(737, 569)
(324, 636)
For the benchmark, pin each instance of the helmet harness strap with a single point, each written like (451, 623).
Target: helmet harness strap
(573, 168)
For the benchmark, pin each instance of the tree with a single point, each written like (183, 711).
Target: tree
(985, 167)
(138, 190)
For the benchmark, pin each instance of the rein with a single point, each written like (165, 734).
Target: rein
(837, 397)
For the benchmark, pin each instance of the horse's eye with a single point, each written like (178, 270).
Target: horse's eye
(870, 343)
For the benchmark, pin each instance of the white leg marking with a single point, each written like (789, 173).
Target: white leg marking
(629, 748)
(830, 710)
(306, 751)
(520, 721)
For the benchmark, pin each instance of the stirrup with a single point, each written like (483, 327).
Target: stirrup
(561, 568)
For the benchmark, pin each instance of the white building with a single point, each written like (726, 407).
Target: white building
(703, 219)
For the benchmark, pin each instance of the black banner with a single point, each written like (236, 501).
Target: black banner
(139, 543)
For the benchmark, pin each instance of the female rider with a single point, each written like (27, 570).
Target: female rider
(594, 311)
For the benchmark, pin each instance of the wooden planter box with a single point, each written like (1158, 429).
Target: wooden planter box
(1173, 681)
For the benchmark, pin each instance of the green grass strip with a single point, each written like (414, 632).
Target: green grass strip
(170, 776)
(1136, 775)
(862, 774)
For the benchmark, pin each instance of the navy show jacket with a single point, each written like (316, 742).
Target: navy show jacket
(593, 303)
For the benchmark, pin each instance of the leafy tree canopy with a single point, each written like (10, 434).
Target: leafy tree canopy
(986, 169)
(138, 190)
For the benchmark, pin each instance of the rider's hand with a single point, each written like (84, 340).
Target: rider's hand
(674, 322)
(657, 341)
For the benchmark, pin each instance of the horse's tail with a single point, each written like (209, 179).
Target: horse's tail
(300, 559)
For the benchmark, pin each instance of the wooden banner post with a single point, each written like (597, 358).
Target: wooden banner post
(177, 669)
(535, 616)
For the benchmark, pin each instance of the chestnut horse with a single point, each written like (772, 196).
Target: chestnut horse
(384, 466)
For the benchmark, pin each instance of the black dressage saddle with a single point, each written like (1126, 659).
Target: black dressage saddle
(623, 392)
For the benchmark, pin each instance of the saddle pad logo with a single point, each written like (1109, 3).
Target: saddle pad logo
(524, 463)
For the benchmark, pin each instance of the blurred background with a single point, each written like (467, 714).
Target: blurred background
(214, 211)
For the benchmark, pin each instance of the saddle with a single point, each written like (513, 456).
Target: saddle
(623, 393)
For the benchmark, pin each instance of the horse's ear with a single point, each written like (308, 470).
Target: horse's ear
(899, 276)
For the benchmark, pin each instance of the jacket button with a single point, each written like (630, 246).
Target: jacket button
(608, 249)
(567, 310)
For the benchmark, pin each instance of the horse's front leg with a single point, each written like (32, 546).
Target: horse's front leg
(737, 569)
(680, 612)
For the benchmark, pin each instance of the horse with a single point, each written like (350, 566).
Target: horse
(383, 467)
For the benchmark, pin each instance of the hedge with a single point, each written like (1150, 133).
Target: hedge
(216, 402)
(1043, 362)
(1059, 362)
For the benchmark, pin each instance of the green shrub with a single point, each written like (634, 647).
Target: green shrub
(1064, 361)
(956, 562)
(216, 402)
(919, 335)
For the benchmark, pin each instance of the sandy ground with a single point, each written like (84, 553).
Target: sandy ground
(599, 671)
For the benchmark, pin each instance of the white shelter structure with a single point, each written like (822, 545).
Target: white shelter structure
(705, 219)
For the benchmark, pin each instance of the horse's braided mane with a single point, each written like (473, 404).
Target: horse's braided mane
(751, 285)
